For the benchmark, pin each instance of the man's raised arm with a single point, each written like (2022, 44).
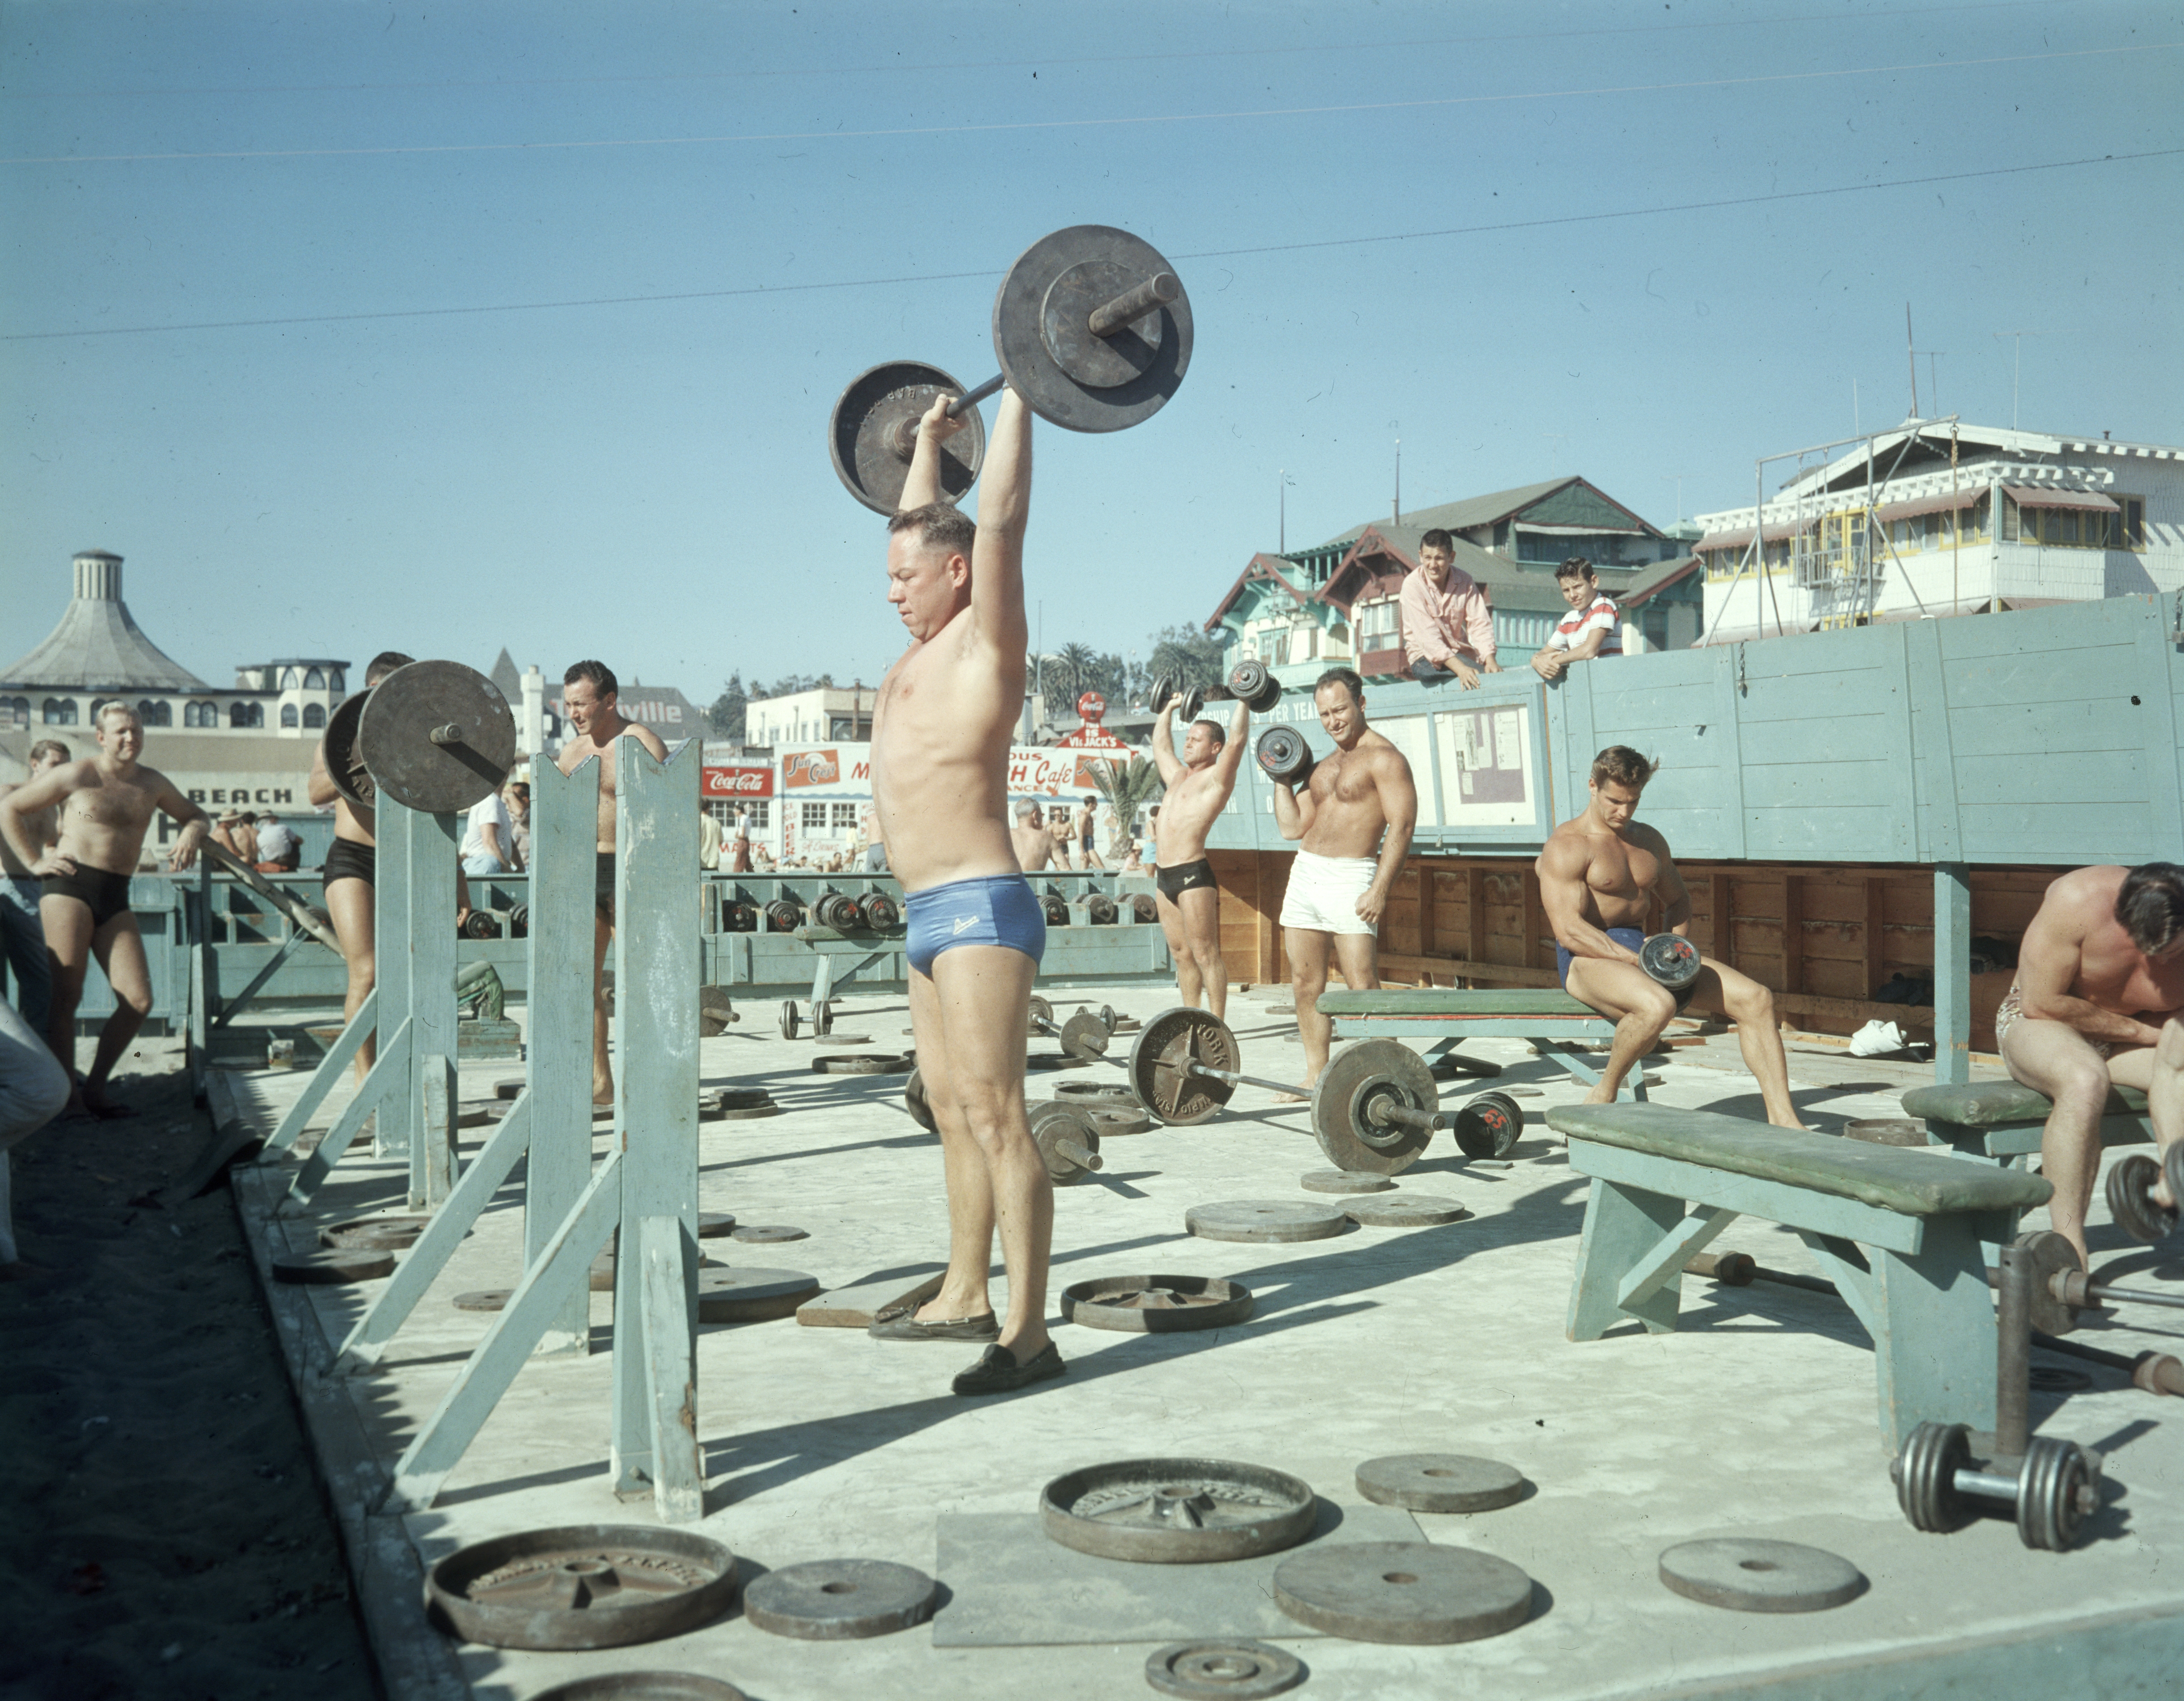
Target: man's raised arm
(1164, 757)
(1231, 753)
(1560, 869)
(997, 602)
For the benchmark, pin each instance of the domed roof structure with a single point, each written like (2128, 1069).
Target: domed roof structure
(97, 646)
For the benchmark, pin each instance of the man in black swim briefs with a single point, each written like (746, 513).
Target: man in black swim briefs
(1199, 783)
(1599, 877)
(107, 803)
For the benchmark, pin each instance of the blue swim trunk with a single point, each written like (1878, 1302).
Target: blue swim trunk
(1631, 938)
(992, 909)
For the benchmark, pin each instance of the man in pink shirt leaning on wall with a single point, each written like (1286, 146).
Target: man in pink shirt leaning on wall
(1448, 624)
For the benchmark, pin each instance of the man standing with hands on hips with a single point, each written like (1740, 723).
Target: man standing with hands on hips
(1355, 817)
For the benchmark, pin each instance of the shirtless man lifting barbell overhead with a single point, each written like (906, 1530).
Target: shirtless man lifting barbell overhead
(1599, 877)
(2099, 987)
(1198, 785)
(1355, 817)
(940, 753)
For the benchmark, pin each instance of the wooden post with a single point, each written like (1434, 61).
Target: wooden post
(1475, 914)
(1876, 928)
(390, 898)
(1720, 899)
(1427, 888)
(1793, 931)
(432, 845)
(565, 815)
(1952, 973)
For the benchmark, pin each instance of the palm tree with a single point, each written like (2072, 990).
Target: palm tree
(1069, 670)
(1125, 789)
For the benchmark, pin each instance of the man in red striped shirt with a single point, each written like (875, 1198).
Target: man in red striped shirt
(1587, 630)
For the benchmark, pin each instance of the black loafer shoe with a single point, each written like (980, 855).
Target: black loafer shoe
(998, 1372)
(900, 1323)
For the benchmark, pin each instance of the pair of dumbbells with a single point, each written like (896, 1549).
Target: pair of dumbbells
(1249, 684)
(876, 910)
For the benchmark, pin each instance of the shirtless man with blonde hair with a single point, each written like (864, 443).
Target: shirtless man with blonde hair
(1188, 897)
(107, 803)
(1033, 844)
(1355, 817)
(589, 692)
(940, 752)
(1600, 876)
(2099, 987)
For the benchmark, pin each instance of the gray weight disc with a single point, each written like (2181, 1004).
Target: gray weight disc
(712, 1224)
(835, 1600)
(767, 1234)
(1224, 1669)
(373, 1234)
(332, 1267)
(643, 1686)
(1406, 1211)
(1264, 1219)
(509, 1087)
(1440, 1482)
(1112, 1120)
(393, 735)
(1176, 1511)
(1063, 276)
(830, 1039)
(1403, 1591)
(1343, 1181)
(751, 1296)
(1156, 1304)
(861, 434)
(484, 1299)
(1755, 1577)
(862, 1063)
(584, 1586)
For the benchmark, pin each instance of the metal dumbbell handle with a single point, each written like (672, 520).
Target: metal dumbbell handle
(450, 734)
(1079, 1155)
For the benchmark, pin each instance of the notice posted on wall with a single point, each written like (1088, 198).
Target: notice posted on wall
(1487, 762)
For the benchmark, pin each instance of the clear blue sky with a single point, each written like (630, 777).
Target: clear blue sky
(1467, 227)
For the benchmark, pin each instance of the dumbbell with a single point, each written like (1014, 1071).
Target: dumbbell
(1055, 908)
(1283, 756)
(2131, 1203)
(1250, 684)
(1098, 909)
(1674, 962)
(1143, 907)
(782, 914)
(740, 916)
(836, 910)
(1068, 1139)
(1091, 329)
(1188, 699)
(879, 911)
(519, 922)
(481, 925)
(2049, 1485)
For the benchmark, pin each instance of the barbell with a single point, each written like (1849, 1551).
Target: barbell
(434, 736)
(2061, 1289)
(1091, 328)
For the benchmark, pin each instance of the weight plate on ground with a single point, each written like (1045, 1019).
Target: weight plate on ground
(915, 1100)
(835, 1600)
(1343, 1181)
(1113, 1120)
(1925, 1474)
(769, 1234)
(862, 1063)
(873, 431)
(1176, 1511)
(344, 767)
(1039, 1062)
(1402, 1591)
(726, 1104)
(751, 1296)
(1440, 1482)
(1264, 1219)
(331, 1267)
(828, 1036)
(1225, 1669)
(1096, 1094)
(1048, 388)
(374, 1234)
(586, 1586)
(484, 1299)
(643, 1686)
(1358, 1082)
(1156, 1304)
(510, 1087)
(1405, 1211)
(393, 736)
(1158, 1056)
(2051, 1255)
(1489, 1125)
(712, 1224)
(1748, 1575)
(2131, 1202)
(790, 1019)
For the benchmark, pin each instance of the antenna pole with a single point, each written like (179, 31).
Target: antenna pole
(1911, 359)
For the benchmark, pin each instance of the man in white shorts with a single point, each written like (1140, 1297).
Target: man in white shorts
(1355, 816)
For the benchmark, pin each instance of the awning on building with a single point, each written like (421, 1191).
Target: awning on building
(2038, 496)
(1891, 511)
(1738, 540)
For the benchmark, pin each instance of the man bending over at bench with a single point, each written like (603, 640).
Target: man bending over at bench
(2100, 980)
(1199, 783)
(1599, 877)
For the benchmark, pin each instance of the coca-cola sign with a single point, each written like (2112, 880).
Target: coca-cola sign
(737, 781)
(1091, 706)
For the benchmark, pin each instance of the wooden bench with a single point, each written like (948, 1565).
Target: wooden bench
(2003, 1119)
(1552, 1020)
(1901, 1232)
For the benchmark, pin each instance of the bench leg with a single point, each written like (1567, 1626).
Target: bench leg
(1622, 1225)
(1931, 1319)
(1581, 1071)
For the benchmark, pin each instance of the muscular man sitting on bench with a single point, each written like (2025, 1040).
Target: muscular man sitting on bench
(1599, 878)
(2100, 981)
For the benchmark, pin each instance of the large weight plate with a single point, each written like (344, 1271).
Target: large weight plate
(769, 1234)
(1403, 1591)
(862, 1063)
(751, 1296)
(1156, 1304)
(1357, 1081)
(836, 1600)
(344, 767)
(586, 1586)
(374, 1234)
(1052, 1123)
(1440, 1482)
(1229, 1669)
(1342, 1181)
(1748, 1575)
(917, 1104)
(2131, 1202)
(1405, 1211)
(1149, 356)
(863, 435)
(1256, 1220)
(1176, 1511)
(393, 736)
(643, 1686)
(1672, 959)
(2051, 1255)
(1157, 1055)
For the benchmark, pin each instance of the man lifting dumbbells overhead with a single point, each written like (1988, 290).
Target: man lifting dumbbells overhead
(2099, 987)
(1355, 816)
(1599, 877)
(1199, 783)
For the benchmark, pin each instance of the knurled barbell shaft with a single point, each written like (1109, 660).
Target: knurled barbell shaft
(2069, 1284)
(1236, 1080)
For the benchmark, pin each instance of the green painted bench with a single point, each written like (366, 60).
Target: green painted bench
(2003, 1119)
(1901, 1231)
(1552, 1019)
